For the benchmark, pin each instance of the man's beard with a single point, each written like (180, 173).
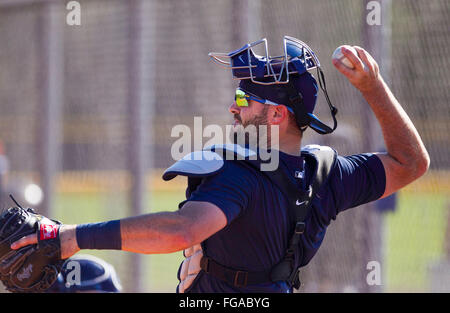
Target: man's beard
(254, 133)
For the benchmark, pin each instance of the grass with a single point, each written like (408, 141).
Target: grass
(415, 235)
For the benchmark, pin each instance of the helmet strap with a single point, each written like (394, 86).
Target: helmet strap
(333, 109)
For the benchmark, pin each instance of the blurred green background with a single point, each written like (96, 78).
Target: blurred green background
(87, 113)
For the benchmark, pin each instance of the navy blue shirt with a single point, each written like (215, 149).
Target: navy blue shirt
(258, 226)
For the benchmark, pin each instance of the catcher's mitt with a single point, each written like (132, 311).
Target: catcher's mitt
(33, 268)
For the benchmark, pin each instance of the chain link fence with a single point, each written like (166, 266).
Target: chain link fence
(87, 112)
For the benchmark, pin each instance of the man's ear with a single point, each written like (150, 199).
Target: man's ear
(278, 114)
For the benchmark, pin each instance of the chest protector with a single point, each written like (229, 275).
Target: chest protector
(197, 165)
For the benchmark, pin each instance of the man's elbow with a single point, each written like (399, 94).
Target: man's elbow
(184, 239)
(185, 236)
(420, 164)
(414, 167)
(423, 163)
(178, 235)
(179, 238)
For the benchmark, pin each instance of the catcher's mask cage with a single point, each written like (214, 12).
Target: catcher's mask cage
(297, 59)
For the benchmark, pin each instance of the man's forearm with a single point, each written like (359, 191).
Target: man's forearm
(402, 140)
(162, 232)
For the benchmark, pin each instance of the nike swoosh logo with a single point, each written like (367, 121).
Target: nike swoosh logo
(299, 203)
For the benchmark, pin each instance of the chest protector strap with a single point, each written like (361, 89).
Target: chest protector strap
(320, 161)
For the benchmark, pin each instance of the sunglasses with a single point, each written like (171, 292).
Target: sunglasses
(241, 98)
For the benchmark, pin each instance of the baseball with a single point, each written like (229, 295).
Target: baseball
(337, 54)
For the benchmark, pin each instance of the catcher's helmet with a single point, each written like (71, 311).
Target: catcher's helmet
(94, 275)
(281, 79)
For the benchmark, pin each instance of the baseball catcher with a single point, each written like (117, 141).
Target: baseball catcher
(243, 229)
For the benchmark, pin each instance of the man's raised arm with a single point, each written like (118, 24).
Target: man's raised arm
(406, 158)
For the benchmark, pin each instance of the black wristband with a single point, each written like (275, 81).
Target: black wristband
(100, 236)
